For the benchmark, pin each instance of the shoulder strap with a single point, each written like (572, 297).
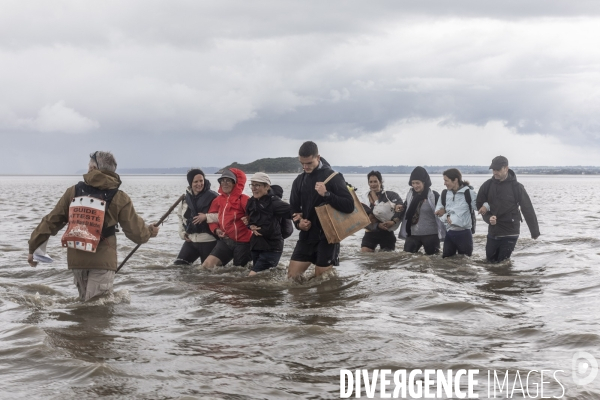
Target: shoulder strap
(386, 196)
(516, 193)
(468, 199)
(473, 215)
(444, 192)
(330, 177)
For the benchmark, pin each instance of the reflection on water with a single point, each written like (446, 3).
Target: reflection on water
(170, 332)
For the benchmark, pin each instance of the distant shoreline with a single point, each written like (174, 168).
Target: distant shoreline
(125, 172)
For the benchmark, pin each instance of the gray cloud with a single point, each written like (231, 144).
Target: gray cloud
(169, 77)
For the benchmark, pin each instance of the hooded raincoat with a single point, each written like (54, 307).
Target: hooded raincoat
(231, 208)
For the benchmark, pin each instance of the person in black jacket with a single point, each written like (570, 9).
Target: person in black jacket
(379, 233)
(506, 198)
(199, 240)
(264, 213)
(309, 191)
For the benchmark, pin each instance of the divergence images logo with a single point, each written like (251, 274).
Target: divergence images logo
(585, 368)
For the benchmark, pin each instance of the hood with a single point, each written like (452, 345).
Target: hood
(277, 190)
(206, 187)
(464, 188)
(511, 177)
(420, 174)
(238, 189)
(103, 180)
(325, 165)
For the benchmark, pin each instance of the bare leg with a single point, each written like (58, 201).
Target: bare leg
(321, 270)
(252, 273)
(297, 268)
(366, 250)
(211, 262)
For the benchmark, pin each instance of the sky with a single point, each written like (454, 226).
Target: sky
(184, 83)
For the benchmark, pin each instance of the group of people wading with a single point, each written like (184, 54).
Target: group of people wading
(230, 226)
(427, 218)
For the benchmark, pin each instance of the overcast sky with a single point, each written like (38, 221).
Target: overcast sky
(196, 83)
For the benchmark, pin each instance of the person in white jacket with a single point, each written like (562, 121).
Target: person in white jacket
(455, 209)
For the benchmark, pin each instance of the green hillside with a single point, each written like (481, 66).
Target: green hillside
(280, 165)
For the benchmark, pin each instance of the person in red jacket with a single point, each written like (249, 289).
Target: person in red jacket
(229, 208)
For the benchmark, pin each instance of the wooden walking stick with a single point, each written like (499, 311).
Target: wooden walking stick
(155, 224)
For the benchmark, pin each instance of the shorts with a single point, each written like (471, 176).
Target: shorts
(191, 251)
(430, 243)
(385, 239)
(93, 282)
(262, 260)
(227, 250)
(320, 253)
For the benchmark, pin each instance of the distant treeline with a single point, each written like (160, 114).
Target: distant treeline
(290, 165)
(280, 165)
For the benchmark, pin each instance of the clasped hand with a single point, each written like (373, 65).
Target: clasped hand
(303, 224)
(198, 219)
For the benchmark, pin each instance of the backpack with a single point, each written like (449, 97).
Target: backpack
(286, 224)
(83, 189)
(468, 200)
(86, 224)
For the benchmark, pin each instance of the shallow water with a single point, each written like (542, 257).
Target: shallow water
(182, 333)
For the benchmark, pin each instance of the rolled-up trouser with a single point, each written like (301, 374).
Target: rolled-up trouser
(93, 282)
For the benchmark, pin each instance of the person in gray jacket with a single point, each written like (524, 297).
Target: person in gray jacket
(507, 198)
(420, 227)
(455, 209)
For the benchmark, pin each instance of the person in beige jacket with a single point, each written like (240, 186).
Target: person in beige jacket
(94, 272)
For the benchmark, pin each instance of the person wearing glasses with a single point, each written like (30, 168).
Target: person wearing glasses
(199, 241)
(94, 268)
(264, 213)
(225, 220)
